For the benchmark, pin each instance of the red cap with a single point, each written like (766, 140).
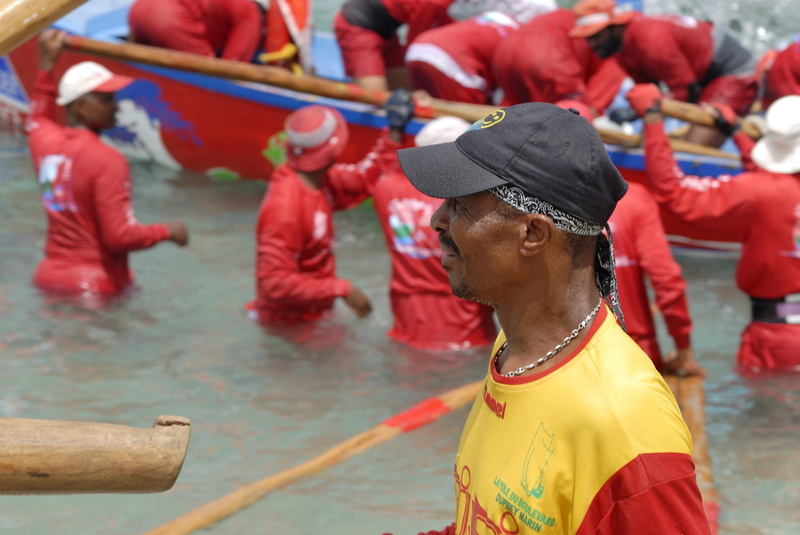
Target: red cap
(316, 136)
(594, 15)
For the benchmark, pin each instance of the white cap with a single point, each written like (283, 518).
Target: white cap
(441, 130)
(85, 77)
(778, 150)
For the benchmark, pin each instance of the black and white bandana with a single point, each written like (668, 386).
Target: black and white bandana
(531, 205)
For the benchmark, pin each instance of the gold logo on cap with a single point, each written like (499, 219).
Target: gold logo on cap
(493, 118)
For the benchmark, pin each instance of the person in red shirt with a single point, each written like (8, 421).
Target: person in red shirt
(366, 31)
(698, 61)
(541, 63)
(85, 184)
(426, 313)
(780, 73)
(761, 208)
(454, 62)
(642, 250)
(228, 29)
(296, 277)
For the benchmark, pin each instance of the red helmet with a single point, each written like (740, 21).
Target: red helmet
(316, 136)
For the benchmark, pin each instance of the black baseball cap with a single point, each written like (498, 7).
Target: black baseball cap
(547, 151)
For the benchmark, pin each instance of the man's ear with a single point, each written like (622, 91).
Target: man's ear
(538, 233)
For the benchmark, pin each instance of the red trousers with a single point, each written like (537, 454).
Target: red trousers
(770, 346)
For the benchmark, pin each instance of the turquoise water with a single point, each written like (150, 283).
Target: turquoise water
(260, 403)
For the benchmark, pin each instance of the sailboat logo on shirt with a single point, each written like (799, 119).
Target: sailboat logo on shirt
(539, 453)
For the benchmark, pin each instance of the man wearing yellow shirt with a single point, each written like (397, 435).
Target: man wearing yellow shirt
(574, 431)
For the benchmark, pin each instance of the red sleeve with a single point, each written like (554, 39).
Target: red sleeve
(43, 101)
(663, 271)
(653, 494)
(280, 243)
(722, 204)
(604, 85)
(349, 184)
(653, 49)
(120, 232)
(745, 145)
(245, 34)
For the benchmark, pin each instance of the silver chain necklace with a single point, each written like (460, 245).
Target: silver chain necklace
(550, 354)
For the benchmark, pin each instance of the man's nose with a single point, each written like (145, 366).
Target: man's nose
(439, 220)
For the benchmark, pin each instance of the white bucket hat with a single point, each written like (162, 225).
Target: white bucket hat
(85, 77)
(779, 150)
(441, 130)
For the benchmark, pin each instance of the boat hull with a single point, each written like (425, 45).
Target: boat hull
(234, 130)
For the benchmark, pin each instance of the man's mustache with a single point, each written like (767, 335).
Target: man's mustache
(446, 242)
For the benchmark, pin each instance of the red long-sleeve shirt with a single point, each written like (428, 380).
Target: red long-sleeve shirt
(295, 265)
(230, 29)
(672, 49)
(641, 249)
(760, 209)
(540, 62)
(426, 313)
(86, 192)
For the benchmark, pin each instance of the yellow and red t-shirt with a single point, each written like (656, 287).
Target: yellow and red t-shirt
(593, 445)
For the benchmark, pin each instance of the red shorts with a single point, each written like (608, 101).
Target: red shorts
(439, 85)
(770, 346)
(440, 321)
(71, 278)
(364, 52)
(738, 92)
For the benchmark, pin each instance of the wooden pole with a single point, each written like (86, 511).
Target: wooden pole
(274, 76)
(689, 393)
(692, 113)
(58, 457)
(421, 414)
(612, 137)
(22, 19)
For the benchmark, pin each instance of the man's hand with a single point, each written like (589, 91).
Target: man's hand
(725, 119)
(643, 97)
(682, 362)
(399, 109)
(178, 232)
(51, 42)
(358, 302)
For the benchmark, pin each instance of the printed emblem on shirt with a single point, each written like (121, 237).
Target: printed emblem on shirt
(539, 453)
(408, 218)
(55, 172)
(320, 225)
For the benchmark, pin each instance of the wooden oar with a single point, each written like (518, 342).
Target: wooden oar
(22, 19)
(691, 399)
(58, 457)
(692, 113)
(283, 78)
(421, 414)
